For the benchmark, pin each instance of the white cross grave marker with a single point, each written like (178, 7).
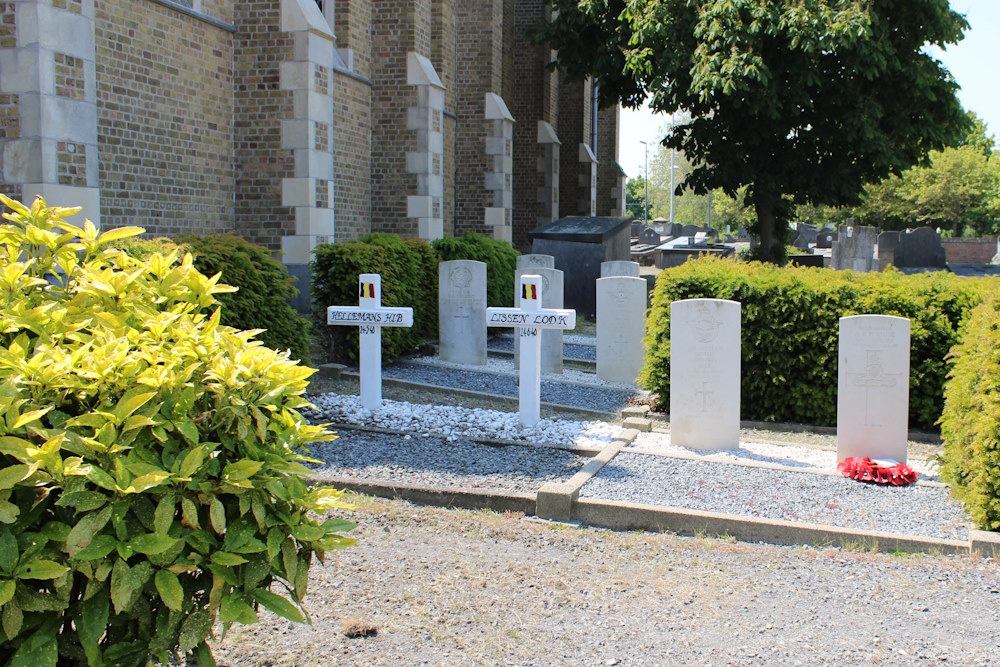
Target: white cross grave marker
(528, 321)
(370, 316)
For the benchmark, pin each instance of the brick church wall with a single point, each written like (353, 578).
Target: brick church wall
(352, 122)
(607, 156)
(399, 26)
(165, 118)
(260, 48)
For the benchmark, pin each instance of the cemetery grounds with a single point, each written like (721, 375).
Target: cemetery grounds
(428, 585)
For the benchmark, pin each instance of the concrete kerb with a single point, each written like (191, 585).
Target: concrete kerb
(630, 516)
(985, 544)
(556, 499)
(464, 499)
(509, 401)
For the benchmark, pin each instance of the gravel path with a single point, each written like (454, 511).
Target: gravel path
(450, 587)
(561, 393)
(442, 464)
(807, 497)
(573, 351)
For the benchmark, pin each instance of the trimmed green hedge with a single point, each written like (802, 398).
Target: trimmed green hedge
(970, 424)
(264, 290)
(409, 279)
(790, 321)
(500, 259)
(409, 270)
(264, 285)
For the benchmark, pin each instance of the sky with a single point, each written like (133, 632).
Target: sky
(973, 62)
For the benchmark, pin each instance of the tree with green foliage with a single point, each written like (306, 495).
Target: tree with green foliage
(635, 196)
(800, 101)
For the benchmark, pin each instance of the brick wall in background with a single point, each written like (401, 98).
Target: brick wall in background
(261, 163)
(970, 251)
(352, 118)
(398, 26)
(607, 156)
(165, 119)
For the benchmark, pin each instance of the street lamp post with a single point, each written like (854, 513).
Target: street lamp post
(645, 183)
(672, 173)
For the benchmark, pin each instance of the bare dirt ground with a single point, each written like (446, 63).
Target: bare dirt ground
(451, 587)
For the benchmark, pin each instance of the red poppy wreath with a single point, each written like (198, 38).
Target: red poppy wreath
(877, 472)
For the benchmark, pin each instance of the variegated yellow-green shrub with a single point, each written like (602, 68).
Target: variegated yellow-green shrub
(151, 460)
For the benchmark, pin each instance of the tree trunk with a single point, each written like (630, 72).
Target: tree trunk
(771, 248)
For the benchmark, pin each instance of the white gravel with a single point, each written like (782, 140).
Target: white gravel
(453, 423)
(790, 456)
(506, 367)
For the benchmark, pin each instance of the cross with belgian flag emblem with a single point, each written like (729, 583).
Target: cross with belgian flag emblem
(529, 291)
(367, 290)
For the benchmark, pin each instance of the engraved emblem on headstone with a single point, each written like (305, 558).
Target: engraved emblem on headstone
(704, 324)
(705, 395)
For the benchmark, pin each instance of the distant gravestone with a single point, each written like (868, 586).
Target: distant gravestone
(552, 297)
(887, 242)
(743, 234)
(462, 312)
(873, 387)
(806, 236)
(619, 268)
(621, 317)
(635, 229)
(530, 261)
(705, 373)
(648, 236)
(854, 249)
(825, 238)
(919, 247)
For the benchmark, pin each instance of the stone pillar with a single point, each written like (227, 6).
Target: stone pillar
(48, 103)
(610, 175)
(427, 120)
(499, 149)
(308, 135)
(617, 209)
(548, 169)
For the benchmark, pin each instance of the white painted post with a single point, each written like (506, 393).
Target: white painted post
(529, 320)
(370, 316)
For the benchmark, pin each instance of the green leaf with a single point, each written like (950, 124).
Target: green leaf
(152, 543)
(12, 618)
(7, 588)
(83, 501)
(278, 605)
(241, 470)
(14, 474)
(118, 233)
(195, 629)
(127, 583)
(190, 511)
(85, 530)
(41, 650)
(163, 518)
(8, 512)
(227, 559)
(40, 568)
(235, 609)
(189, 431)
(130, 402)
(146, 482)
(290, 559)
(8, 551)
(204, 655)
(92, 623)
(29, 417)
(170, 589)
(217, 513)
(192, 461)
(99, 547)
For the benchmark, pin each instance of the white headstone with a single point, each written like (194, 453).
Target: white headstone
(370, 316)
(705, 374)
(462, 312)
(552, 297)
(873, 388)
(619, 268)
(621, 319)
(529, 320)
(535, 262)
